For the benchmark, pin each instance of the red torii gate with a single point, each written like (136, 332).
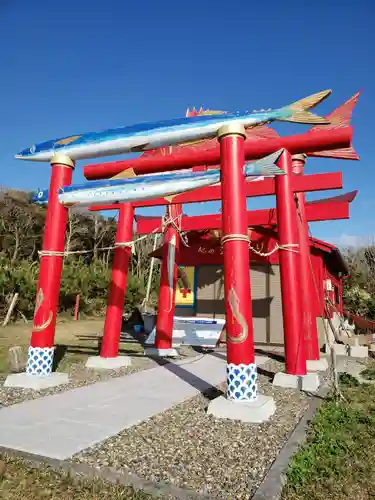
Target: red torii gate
(231, 153)
(144, 164)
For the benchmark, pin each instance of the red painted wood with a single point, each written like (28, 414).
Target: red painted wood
(76, 308)
(294, 344)
(48, 288)
(167, 296)
(266, 187)
(264, 217)
(306, 278)
(239, 321)
(187, 157)
(117, 287)
(349, 197)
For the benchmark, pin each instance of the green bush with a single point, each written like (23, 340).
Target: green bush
(21, 229)
(91, 282)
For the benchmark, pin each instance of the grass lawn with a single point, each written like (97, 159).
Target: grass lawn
(337, 462)
(19, 481)
(75, 341)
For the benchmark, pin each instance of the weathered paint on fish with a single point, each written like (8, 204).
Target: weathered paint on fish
(146, 187)
(147, 136)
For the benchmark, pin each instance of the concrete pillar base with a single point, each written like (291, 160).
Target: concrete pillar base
(257, 411)
(161, 353)
(317, 365)
(99, 363)
(309, 382)
(36, 382)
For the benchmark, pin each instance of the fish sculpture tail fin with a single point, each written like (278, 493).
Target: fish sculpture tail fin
(265, 166)
(297, 112)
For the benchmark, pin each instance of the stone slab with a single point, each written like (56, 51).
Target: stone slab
(307, 383)
(63, 424)
(340, 349)
(349, 366)
(99, 363)
(257, 411)
(317, 365)
(36, 382)
(358, 351)
(161, 353)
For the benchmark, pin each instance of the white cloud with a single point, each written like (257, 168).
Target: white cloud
(352, 241)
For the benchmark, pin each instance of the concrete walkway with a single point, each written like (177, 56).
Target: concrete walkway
(61, 425)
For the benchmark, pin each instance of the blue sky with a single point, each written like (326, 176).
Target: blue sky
(82, 66)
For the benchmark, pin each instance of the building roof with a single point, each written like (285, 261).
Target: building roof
(334, 257)
(204, 248)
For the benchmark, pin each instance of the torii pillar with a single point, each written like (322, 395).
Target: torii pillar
(242, 401)
(308, 283)
(168, 281)
(109, 358)
(39, 371)
(295, 375)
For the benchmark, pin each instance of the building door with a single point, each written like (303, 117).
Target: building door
(266, 299)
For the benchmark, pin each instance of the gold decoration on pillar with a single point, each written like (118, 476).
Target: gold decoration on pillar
(38, 303)
(233, 302)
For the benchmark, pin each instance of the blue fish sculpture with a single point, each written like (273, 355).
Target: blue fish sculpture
(147, 136)
(148, 187)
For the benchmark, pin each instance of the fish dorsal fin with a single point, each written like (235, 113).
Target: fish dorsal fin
(210, 112)
(204, 112)
(67, 140)
(125, 174)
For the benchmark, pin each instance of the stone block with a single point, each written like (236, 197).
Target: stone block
(36, 382)
(257, 411)
(308, 383)
(99, 363)
(317, 365)
(358, 351)
(161, 353)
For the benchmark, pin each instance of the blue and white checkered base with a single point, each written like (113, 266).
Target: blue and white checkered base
(40, 360)
(242, 382)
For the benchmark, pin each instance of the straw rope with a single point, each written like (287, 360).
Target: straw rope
(243, 237)
(166, 221)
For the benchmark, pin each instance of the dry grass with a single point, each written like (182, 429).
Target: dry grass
(337, 461)
(19, 481)
(77, 340)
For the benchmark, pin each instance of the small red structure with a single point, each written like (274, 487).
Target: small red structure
(205, 254)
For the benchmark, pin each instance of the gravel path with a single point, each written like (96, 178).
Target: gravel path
(187, 448)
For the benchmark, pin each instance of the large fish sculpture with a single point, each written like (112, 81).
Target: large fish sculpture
(147, 136)
(148, 187)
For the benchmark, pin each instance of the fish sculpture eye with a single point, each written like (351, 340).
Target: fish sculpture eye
(33, 149)
(40, 194)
